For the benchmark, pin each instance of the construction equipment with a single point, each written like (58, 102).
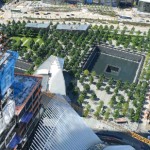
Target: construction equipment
(131, 133)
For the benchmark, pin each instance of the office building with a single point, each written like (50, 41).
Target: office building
(19, 103)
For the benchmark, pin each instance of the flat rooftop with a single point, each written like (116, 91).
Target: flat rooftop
(37, 25)
(73, 27)
(23, 86)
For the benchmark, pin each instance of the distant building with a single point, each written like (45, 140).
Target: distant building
(38, 26)
(53, 1)
(144, 6)
(73, 27)
(20, 104)
(126, 3)
(113, 3)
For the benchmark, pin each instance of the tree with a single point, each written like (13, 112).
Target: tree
(121, 98)
(119, 83)
(101, 78)
(27, 56)
(116, 114)
(107, 89)
(101, 103)
(81, 99)
(116, 90)
(96, 114)
(110, 81)
(31, 43)
(112, 101)
(86, 72)
(125, 109)
(38, 61)
(131, 114)
(86, 87)
(91, 79)
(41, 32)
(93, 96)
(87, 110)
(125, 85)
(93, 73)
(98, 85)
(107, 113)
(81, 79)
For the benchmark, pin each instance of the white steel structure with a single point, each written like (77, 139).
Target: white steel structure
(52, 72)
(61, 128)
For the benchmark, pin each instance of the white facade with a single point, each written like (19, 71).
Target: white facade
(52, 72)
(61, 128)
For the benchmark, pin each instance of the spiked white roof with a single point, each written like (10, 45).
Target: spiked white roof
(52, 72)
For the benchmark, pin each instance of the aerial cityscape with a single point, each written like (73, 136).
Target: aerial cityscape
(74, 75)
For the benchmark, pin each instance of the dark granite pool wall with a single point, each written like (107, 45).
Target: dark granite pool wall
(94, 54)
(119, 53)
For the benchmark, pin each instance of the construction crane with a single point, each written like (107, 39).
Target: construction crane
(131, 133)
(114, 125)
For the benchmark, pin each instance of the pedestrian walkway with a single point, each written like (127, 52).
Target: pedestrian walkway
(144, 125)
(25, 42)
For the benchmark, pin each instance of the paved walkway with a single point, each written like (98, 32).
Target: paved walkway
(144, 126)
(25, 42)
(37, 40)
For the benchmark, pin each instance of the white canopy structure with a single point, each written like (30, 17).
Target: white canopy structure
(52, 72)
(61, 128)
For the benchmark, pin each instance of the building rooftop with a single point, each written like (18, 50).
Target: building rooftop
(23, 87)
(21, 66)
(61, 128)
(148, 1)
(52, 72)
(73, 27)
(37, 25)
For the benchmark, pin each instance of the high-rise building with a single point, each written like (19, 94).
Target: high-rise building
(19, 103)
(144, 6)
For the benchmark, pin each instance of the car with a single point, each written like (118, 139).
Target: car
(148, 131)
(57, 14)
(48, 13)
(37, 13)
(72, 14)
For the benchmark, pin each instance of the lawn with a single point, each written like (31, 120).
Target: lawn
(26, 40)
